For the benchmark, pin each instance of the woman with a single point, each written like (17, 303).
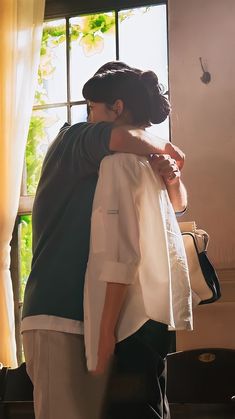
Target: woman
(137, 279)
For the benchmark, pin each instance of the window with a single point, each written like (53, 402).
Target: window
(75, 44)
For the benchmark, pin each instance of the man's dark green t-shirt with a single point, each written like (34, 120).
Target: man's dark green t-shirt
(61, 220)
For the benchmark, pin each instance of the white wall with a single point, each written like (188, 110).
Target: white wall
(203, 125)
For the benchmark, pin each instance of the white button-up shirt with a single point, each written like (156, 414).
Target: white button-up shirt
(135, 240)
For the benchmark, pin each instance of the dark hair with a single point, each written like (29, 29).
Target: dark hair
(115, 65)
(139, 90)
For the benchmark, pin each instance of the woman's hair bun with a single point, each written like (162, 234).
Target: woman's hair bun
(149, 78)
(159, 104)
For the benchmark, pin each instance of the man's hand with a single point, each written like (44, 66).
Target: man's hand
(167, 167)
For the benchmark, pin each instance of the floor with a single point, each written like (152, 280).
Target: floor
(201, 411)
(24, 410)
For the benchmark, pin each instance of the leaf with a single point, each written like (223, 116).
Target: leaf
(92, 44)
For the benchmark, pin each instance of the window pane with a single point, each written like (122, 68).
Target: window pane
(44, 126)
(143, 44)
(92, 44)
(25, 251)
(52, 68)
(143, 40)
(161, 130)
(79, 114)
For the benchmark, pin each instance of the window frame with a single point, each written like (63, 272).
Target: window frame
(60, 8)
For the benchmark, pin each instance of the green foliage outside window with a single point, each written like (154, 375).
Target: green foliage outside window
(25, 251)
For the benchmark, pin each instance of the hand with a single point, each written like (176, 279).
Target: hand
(166, 167)
(105, 351)
(176, 154)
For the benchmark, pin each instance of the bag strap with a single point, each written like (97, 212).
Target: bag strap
(201, 237)
(187, 226)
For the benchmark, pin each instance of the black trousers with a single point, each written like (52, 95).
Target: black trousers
(137, 386)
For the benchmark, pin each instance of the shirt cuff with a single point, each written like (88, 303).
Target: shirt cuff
(118, 272)
(179, 213)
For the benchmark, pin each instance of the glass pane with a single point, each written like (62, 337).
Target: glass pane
(51, 86)
(143, 40)
(79, 114)
(44, 126)
(161, 130)
(143, 44)
(25, 251)
(92, 44)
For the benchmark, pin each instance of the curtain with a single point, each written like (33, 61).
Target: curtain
(21, 31)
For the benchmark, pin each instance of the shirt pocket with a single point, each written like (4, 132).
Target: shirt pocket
(98, 240)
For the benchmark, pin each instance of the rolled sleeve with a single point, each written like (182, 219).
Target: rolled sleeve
(118, 272)
(120, 221)
(180, 213)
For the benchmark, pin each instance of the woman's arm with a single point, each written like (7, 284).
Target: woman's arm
(114, 298)
(118, 178)
(167, 167)
(177, 194)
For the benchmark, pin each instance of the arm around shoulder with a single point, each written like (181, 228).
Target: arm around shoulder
(127, 139)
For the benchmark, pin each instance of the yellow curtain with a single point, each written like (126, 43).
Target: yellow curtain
(21, 31)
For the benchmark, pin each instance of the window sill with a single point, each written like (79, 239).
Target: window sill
(25, 204)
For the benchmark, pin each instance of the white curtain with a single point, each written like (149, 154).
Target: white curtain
(21, 31)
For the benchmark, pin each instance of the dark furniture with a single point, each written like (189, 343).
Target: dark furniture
(201, 384)
(16, 394)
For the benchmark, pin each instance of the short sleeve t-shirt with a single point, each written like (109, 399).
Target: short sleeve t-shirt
(61, 220)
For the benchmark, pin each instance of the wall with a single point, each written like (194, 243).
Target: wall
(203, 125)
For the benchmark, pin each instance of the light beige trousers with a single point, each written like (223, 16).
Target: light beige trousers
(63, 389)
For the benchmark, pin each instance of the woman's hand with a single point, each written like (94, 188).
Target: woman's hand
(114, 298)
(176, 154)
(105, 352)
(166, 167)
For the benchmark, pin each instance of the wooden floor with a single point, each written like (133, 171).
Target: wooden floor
(17, 410)
(24, 410)
(195, 384)
(202, 411)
